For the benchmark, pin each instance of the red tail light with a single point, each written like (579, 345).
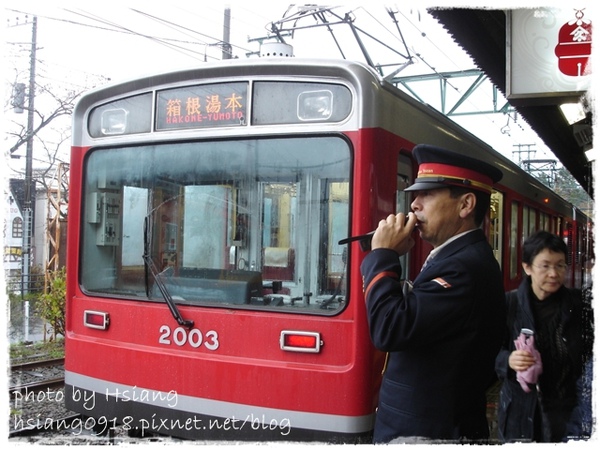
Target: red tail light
(300, 341)
(96, 319)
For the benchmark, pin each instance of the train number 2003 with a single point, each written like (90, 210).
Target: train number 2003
(194, 337)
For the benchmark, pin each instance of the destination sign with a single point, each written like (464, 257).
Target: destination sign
(203, 106)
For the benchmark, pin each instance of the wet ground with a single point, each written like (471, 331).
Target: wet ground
(24, 325)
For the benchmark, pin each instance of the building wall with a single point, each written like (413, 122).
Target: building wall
(12, 240)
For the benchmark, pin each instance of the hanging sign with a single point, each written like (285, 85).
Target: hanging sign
(549, 52)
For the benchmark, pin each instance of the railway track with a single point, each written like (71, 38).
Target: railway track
(37, 376)
(38, 415)
(36, 397)
(37, 364)
(37, 386)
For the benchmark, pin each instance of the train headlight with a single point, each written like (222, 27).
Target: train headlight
(315, 105)
(293, 102)
(125, 116)
(114, 121)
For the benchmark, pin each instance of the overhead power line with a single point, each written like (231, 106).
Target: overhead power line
(170, 43)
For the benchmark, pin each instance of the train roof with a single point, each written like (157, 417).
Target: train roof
(514, 177)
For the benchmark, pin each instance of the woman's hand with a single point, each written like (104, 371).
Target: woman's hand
(520, 360)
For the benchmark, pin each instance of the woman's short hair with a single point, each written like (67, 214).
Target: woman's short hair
(540, 241)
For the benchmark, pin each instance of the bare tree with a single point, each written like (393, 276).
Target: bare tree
(63, 106)
(50, 133)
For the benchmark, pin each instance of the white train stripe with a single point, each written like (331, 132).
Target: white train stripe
(174, 401)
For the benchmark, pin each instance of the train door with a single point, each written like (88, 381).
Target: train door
(336, 211)
(495, 224)
(135, 208)
(278, 219)
(558, 225)
(404, 178)
(514, 267)
(206, 222)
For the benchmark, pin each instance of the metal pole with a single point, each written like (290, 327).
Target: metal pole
(28, 203)
(226, 34)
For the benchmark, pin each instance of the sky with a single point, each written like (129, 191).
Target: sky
(86, 44)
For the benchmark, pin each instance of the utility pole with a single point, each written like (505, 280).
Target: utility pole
(28, 203)
(227, 34)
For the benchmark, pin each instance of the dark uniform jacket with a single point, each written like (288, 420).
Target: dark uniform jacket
(518, 411)
(442, 339)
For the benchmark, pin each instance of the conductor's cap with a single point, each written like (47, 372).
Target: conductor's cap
(440, 168)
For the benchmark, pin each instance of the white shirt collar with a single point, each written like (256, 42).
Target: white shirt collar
(436, 250)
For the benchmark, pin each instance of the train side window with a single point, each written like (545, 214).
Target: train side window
(495, 224)
(532, 220)
(513, 245)
(525, 224)
(528, 222)
(544, 222)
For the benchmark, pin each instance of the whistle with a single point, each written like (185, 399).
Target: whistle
(364, 239)
(360, 237)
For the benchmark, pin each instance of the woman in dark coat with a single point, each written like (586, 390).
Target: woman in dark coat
(562, 328)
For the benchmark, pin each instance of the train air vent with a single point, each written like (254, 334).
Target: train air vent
(276, 50)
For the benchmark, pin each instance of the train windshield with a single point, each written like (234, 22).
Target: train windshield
(245, 224)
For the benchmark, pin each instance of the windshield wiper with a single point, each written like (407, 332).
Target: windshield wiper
(151, 267)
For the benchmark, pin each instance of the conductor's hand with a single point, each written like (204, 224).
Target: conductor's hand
(395, 232)
(520, 360)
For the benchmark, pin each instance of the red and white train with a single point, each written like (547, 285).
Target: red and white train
(208, 296)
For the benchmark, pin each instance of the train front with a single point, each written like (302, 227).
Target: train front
(208, 297)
